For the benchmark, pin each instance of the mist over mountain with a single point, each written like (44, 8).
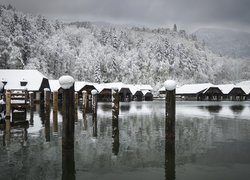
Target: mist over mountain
(106, 53)
(225, 42)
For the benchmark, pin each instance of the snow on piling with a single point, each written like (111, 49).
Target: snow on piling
(66, 81)
(170, 85)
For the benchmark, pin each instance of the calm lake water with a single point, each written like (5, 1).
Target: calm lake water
(212, 142)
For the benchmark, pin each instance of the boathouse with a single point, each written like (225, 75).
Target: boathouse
(148, 96)
(32, 80)
(212, 93)
(137, 94)
(232, 92)
(125, 94)
(147, 91)
(192, 91)
(84, 86)
(104, 92)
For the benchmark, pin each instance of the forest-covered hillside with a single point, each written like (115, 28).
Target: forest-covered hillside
(97, 53)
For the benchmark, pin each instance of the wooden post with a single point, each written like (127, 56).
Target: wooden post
(115, 121)
(31, 98)
(170, 86)
(47, 113)
(7, 117)
(55, 111)
(68, 129)
(76, 106)
(84, 102)
(94, 111)
(84, 108)
(94, 102)
(8, 103)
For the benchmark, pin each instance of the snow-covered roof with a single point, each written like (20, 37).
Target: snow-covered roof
(245, 86)
(144, 87)
(144, 92)
(13, 77)
(133, 89)
(118, 85)
(162, 89)
(225, 88)
(54, 85)
(100, 87)
(80, 84)
(193, 88)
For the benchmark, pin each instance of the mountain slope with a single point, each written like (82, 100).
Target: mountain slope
(105, 54)
(226, 42)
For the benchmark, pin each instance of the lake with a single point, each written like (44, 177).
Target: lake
(212, 142)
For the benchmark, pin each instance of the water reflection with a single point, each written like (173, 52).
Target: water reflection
(68, 163)
(124, 107)
(204, 143)
(115, 135)
(237, 109)
(47, 124)
(94, 121)
(106, 107)
(212, 108)
(170, 160)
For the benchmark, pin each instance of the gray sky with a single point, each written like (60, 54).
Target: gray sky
(187, 14)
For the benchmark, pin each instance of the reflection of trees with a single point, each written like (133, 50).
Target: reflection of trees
(193, 137)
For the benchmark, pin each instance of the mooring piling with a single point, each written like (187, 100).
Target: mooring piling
(47, 113)
(76, 106)
(7, 117)
(55, 111)
(94, 112)
(94, 102)
(68, 128)
(31, 99)
(84, 102)
(115, 121)
(8, 103)
(170, 87)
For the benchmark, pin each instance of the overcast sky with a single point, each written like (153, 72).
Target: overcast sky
(187, 14)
